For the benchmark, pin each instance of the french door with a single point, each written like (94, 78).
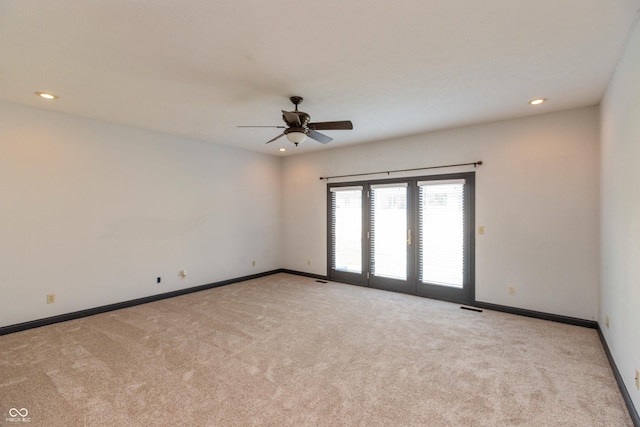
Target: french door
(389, 237)
(407, 235)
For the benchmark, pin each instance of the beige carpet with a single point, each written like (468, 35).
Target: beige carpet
(288, 351)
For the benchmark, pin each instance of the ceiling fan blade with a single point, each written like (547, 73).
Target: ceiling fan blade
(291, 118)
(281, 127)
(279, 136)
(344, 124)
(320, 137)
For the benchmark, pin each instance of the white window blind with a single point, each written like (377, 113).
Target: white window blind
(341, 189)
(441, 222)
(395, 185)
(389, 230)
(346, 229)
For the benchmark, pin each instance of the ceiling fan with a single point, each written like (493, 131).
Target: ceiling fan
(298, 127)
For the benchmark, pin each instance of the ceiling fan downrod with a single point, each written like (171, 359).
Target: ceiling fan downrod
(296, 100)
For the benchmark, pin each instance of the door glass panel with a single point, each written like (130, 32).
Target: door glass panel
(441, 222)
(346, 229)
(389, 231)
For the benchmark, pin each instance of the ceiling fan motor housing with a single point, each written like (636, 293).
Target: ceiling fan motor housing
(304, 130)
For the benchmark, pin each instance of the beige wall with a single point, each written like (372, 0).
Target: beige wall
(94, 212)
(537, 196)
(620, 206)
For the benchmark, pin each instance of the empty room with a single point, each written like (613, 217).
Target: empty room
(301, 213)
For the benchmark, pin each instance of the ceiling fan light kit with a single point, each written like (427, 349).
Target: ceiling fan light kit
(296, 137)
(299, 127)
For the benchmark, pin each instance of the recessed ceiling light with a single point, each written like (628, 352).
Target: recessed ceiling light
(46, 95)
(537, 101)
(283, 149)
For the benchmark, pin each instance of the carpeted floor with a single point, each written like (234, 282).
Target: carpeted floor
(285, 350)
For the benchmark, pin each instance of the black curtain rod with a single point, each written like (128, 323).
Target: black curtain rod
(475, 164)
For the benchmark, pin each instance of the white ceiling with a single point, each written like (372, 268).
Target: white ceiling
(200, 68)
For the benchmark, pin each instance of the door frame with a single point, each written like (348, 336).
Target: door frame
(467, 294)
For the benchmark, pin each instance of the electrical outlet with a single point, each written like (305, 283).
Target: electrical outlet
(253, 263)
(183, 274)
(638, 379)
(308, 262)
(159, 280)
(51, 298)
(481, 229)
(606, 321)
(511, 290)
